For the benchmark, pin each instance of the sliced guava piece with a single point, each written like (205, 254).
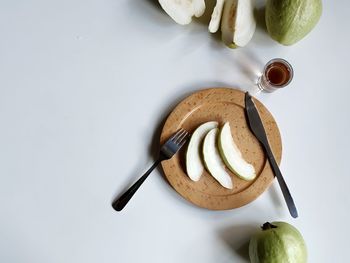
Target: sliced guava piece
(182, 11)
(194, 164)
(237, 22)
(216, 16)
(212, 159)
(198, 7)
(232, 156)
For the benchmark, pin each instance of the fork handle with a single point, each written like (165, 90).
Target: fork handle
(121, 202)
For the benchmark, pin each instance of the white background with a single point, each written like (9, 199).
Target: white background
(84, 89)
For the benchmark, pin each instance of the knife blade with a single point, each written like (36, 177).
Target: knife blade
(258, 130)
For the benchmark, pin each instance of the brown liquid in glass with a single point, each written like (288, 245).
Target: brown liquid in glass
(277, 74)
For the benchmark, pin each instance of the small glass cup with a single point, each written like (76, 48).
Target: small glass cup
(277, 74)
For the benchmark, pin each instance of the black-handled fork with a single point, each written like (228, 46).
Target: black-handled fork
(168, 150)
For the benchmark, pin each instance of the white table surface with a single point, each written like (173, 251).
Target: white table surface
(84, 89)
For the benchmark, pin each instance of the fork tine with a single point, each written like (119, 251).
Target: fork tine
(178, 135)
(175, 134)
(184, 140)
(174, 143)
(181, 137)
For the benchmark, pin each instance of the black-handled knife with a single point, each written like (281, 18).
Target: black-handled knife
(258, 130)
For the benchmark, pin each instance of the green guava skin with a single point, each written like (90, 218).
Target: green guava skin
(233, 46)
(283, 244)
(288, 21)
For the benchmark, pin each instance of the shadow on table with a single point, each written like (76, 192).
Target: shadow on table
(153, 148)
(154, 145)
(259, 14)
(237, 238)
(277, 198)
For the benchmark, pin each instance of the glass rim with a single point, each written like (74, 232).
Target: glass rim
(285, 62)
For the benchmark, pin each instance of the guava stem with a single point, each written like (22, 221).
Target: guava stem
(267, 226)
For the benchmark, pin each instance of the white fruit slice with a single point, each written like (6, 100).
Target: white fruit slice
(238, 22)
(232, 155)
(216, 16)
(194, 165)
(182, 11)
(198, 7)
(212, 159)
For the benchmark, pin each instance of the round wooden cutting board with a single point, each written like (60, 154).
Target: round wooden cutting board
(222, 105)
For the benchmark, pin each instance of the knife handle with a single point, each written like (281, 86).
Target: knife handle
(285, 191)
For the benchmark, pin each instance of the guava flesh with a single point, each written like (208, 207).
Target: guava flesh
(237, 22)
(213, 161)
(232, 156)
(194, 164)
(182, 11)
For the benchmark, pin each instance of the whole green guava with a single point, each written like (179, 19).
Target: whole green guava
(278, 242)
(288, 21)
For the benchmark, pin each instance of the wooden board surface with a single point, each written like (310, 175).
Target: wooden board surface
(222, 105)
